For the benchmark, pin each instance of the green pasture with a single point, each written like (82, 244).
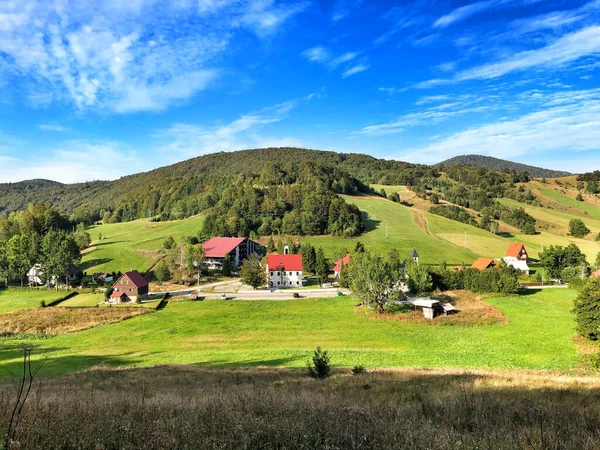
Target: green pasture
(219, 333)
(133, 245)
(586, 208)
(403, 234)
(15, 299)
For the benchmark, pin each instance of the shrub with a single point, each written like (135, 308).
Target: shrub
(162, 272)
(587, 310)
(169, 243)
(579, 198)
(577, 228)
(42, 304)
(358, 369)
(320, 367)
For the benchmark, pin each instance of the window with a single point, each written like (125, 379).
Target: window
(130, 290)
(290, 274)
(271, 273)
(298, 273)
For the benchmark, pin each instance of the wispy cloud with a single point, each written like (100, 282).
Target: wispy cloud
(464, 12)
(354, 70)
(343, 8)
(54, 127)
(564, 122)
(125, 56)
(189, 140)
(429, 115)
(74, 161)
(557, 54)
(324, 56)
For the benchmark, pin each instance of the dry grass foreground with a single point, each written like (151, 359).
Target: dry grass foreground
(192, 407)
(473, 311)
(63, 320)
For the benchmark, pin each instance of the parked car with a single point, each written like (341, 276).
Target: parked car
(295, 295)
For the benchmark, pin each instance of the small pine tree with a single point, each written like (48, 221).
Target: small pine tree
(226, 269)
(320, 367)
(271, 245)
(433, 198)
(579, 198)
(577, 228)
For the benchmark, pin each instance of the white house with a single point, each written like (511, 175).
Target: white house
(284, 270)
(35, 276)
(516, 257)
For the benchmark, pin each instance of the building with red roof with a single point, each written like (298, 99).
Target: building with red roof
(485, 263)
(284, 270)
(129, 287)
(236, 249)
(516, 257)
(596, 274)
(337, 268)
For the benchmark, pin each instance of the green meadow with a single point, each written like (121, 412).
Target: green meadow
(216, 333)
(15, 299)
(587, 209)
(133, 245)
(390, 225)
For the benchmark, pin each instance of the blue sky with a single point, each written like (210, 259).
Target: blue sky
(98, 90)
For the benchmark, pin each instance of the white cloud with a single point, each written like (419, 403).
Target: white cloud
(125, 56)
(565, 122)
(54, 127)
(463, 13)
(558, 54)
(74, 161)
(343, 8)
(429, 116)
(317, 54)
(190, 140)
(354, 70)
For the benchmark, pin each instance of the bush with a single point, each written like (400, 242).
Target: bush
(320, 366)
(579, 198)
(587, 310)
(358, 369)
(42, 304)
(578, 229)
(169, 243)
(162, 272)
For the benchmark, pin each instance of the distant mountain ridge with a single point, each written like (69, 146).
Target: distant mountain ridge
(490, 162)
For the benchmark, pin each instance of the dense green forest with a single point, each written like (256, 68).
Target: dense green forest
(488, 162)
(275, 190)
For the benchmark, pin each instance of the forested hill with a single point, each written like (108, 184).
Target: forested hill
(158, 191)
(489, 162)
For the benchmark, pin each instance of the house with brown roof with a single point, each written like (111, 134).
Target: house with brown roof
(485, 263)
(516, 257)
(235, 249)
(130, 287)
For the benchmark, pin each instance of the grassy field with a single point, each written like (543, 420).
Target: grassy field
(15, 299)
(262, 333)
(403, 234)
(133, 245)
(586, 208)
(192, 407)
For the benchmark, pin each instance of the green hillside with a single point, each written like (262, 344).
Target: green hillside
(133, 245)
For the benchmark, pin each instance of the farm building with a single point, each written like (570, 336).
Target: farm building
(129, 287)
(337, 268)
(596, 274)
(516, 257)
(431, 308)
(236, 249)
(284, 270)
(485, 263)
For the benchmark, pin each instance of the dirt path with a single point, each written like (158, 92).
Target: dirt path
(421, 220)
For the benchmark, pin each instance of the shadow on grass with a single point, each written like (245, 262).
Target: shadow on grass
(370, 224)
(93, 262)
(100, 244)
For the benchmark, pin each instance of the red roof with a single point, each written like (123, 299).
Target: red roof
(289, 262)
(596, 274)
(341, 262)
(514, 250)
(117, 294)
(485, 263)
(218, 247)
(136, 278)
